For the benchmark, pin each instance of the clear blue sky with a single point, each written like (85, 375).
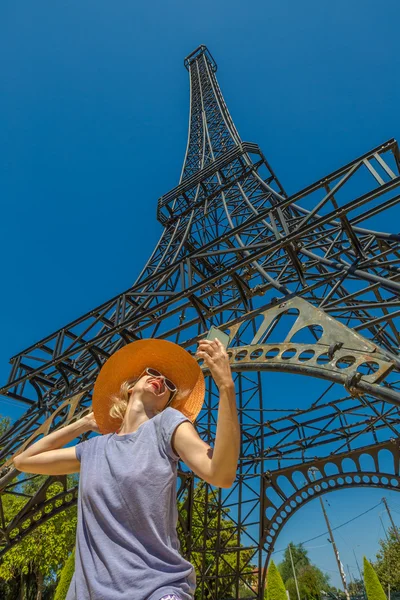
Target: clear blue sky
(93, 124)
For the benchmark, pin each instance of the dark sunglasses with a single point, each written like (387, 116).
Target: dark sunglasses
(169, 384)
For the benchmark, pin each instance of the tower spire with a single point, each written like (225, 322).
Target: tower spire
(211, 128)
(200, 50)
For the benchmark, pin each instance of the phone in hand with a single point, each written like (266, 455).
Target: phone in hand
(223, 337)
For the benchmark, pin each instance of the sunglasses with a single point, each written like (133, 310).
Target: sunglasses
(168, 383)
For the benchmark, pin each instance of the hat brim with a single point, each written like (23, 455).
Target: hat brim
(129, 363)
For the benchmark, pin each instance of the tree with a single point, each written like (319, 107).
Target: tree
(310, 579)
(5, 423)
(300, 560)
(310, 583)
(372, 584)
(356, 588)
(212, 547)
(29, 569)
(275, 586)
(65, 577)
(387, 565)
(36, 560)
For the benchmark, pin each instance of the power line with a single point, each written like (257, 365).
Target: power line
(335, 528)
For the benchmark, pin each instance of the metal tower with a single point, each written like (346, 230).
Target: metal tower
(303, 285)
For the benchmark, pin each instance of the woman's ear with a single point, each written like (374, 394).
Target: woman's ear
(132, 385)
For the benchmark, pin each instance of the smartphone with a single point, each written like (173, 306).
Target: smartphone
(214, 332)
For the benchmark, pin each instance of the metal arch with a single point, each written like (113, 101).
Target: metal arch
(326, 483)
(336, 356)
(353, 380)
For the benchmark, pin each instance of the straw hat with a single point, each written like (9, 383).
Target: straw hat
(129, 363)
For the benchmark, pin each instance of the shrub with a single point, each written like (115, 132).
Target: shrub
(372, 585)
(65, 577)
(275, 586)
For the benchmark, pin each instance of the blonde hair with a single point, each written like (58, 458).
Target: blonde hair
(120, 400)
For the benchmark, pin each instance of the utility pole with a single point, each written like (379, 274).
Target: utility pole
(332, 539)
(390, 571)
(359, 572)
(350, 575)
(396, 532)
(294, 573)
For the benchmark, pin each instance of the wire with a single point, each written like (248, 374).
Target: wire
(335, 528)
(341, 535)
(346, 523)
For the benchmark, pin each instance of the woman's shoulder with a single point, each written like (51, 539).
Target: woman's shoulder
(171, 415)
(165, 424)
(91, 444)
(169, 419)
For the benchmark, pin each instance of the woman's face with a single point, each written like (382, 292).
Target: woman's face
(153, 391)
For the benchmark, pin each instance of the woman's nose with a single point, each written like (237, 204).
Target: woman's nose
(162, 378)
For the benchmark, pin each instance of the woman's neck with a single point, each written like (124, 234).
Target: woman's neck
(136, 414)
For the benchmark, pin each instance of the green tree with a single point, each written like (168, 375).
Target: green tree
(212, 547)
(29, 569)
(372, 584)
(37, 559)
(310, 579)
(387, 565)
(356, 588)
(275, 587)
(65, 577)
(310, 583)
(5, 423)
(300, 560)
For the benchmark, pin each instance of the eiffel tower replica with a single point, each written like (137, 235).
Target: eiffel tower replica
(306, 284)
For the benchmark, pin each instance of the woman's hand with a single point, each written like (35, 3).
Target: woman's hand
(217, 360)
(90, 422)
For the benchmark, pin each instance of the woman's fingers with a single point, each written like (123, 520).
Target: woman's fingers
(209, 346)
(207, 349)
(205, 356)
(212, 342)
(203, 352)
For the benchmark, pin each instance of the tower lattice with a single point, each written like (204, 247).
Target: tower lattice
(303, 284)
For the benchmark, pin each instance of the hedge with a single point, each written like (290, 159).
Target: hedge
(65, 577)
(275, 586)
(372, 584)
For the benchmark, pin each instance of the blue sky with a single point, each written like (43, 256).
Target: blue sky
(94, 110)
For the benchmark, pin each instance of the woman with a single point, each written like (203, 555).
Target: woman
(145, 399)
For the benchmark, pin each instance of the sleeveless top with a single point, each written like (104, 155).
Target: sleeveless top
(127, 547)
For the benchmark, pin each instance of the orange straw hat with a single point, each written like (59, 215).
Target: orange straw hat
(129, 362)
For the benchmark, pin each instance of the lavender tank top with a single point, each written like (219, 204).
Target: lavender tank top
(127, 547)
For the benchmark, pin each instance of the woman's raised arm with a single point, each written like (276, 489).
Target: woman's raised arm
(53, 462)
(215, 465)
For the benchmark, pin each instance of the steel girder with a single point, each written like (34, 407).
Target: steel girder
(303, 285)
